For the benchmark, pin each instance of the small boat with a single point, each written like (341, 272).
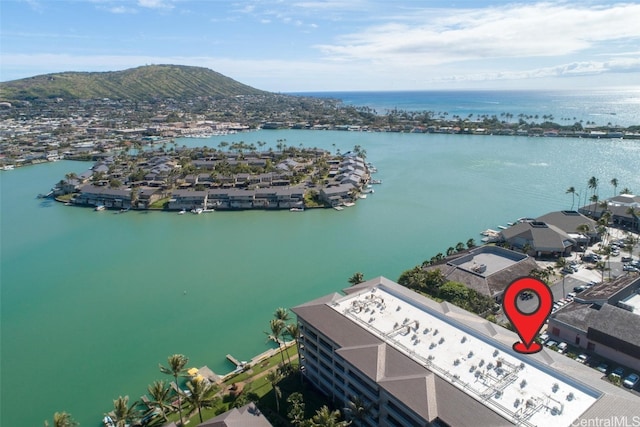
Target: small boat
(182, 212)
(348, 204)
(108, 421)
(338, 208)
(362, 196)
(376, 181)
(502, 227)
(296, 210)
(197, 211)
(100, 208)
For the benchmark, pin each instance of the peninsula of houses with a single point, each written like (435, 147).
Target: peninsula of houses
(203, 179)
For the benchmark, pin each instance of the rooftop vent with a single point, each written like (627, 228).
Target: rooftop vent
(539, 224)
(570, 213)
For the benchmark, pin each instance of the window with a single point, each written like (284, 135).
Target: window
(591, 346)
(555, 332)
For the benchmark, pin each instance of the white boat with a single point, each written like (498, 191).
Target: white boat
(182, 212)
(376, 181)
(362, 196)
(8, 168)
(108, 421)
(100, 208)
(197, 211)
(296, 210)
(502, 227)
(338, 208)
(348, 204)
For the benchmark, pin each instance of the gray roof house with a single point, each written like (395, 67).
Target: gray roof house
(543, 238)
(486, 269)
(245, 416)
(602, 321)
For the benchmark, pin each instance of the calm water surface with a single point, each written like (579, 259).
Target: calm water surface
(91, 302)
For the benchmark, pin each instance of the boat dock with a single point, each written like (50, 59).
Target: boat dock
(233, 360)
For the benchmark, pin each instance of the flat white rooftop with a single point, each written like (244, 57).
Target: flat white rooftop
(517, 388)
(634, 302)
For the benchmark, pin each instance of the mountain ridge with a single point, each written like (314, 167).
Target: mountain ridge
(142, 83)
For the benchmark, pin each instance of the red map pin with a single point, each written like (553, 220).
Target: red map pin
(527, 325)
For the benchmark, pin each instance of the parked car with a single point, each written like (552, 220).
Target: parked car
(562, 347)
(567, 270)
(583, 358)
(544, 338)
(578, 289)
(602, 367)
(630, 268)
(618, 372)
(626, 259)
(630, 380)
(551, 343)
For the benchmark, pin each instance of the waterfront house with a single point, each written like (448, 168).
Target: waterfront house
(338, 194)
(486, 269)
(569, 221)
(246, 416)
(543, 239)
(92, 195)
(187, 199)
(620, 208)
(147, 196)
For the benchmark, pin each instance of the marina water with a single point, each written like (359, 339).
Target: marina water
(92, 302)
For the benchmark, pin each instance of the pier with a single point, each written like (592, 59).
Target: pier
(233, 360)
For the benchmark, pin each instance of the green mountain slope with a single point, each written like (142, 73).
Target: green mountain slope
(142, 83)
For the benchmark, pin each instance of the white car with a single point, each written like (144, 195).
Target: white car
(582, 358)
(562, 347)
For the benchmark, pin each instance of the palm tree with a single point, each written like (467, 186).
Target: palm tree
(202, 394)
(572, 190)
(159, 392)
(324, 417)
(62, 419)
(593, 184)
(277, 327)
(594, 199)
(356, 278)
(471, 243)
(357, 409)
(283, 315)
(584, 229)
(614, 182)
(451, 250)
(634, 214)
(177, 367)
(293, 330)
(625, 190)
(526, 248)
(124, 414)
(274, 377)
(459, 247)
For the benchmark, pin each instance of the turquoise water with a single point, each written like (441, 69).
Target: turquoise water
(617, 107)
(91, 302)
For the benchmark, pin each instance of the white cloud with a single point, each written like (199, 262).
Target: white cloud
(437, 37)
(156, 4)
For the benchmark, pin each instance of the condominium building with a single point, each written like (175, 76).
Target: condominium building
(416, 362)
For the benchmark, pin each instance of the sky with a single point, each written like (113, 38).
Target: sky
(334, 45)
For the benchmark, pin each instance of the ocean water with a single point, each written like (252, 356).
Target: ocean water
(616, 107)
(91, 302)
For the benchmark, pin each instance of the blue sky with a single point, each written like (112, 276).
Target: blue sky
(298, 45)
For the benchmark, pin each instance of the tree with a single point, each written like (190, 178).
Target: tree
(283, 315)
(276, 327)
(159, 392)
(296, 408)
(202, 394)
(593, 184)
(356, 279)
(471, 243)
(274, 377)
(614, 182)
(572, 191)
(357, 410)
(124, 414)
(451, 250)
(459, 247)
(293, 330)
(324, 417)
(62, 419)
(176, 367)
